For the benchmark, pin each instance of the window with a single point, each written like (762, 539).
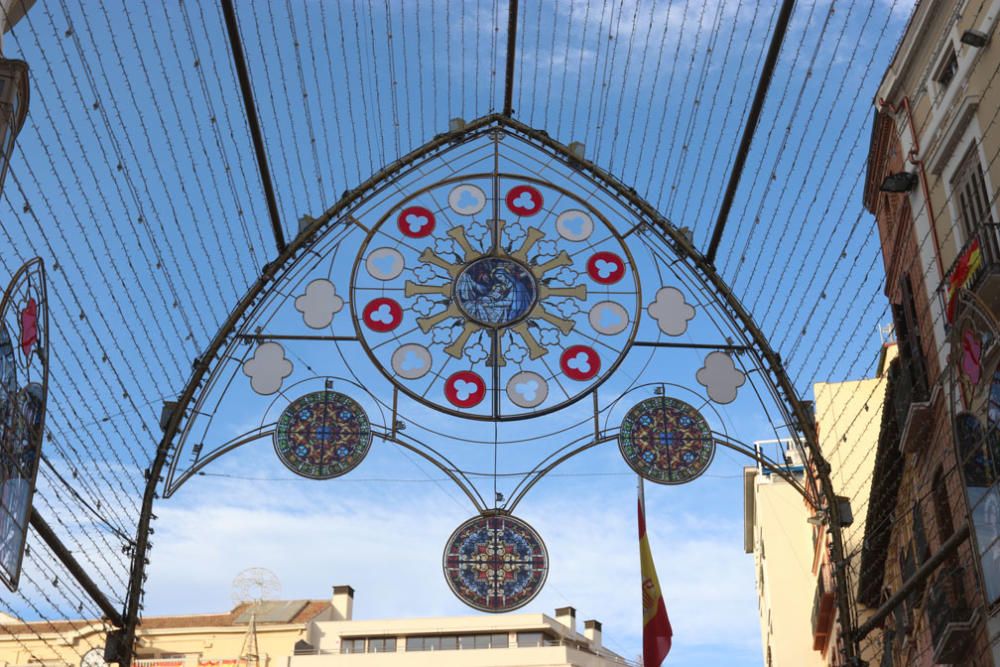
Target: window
(923, 549)
(942, 508)
(487, 641)
(530, 638)
(429, 643)
(970, 193)
(352, 645)
(913, 378)
(444, 642)
(382, 645)
(947, 70)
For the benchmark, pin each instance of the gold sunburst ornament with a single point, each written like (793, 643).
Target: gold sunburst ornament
(507, 299)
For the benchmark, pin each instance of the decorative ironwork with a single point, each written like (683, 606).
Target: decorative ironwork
(666, 440)
(495, 562)
(322, 435)
(502, 276)
(23, 390)
(489, 283)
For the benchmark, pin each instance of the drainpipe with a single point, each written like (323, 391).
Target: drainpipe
(913, 157)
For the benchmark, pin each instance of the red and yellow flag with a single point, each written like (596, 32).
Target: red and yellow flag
(657, 634)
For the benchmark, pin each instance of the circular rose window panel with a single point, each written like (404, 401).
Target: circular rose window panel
(495, 298)
(322, 435)
(495, 563)
(666, 440)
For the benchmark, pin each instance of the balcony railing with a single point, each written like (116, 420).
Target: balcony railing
(910, 401)
(189, 661)
(949, 615)
(979, 257)
(910, 388)
(823, 608)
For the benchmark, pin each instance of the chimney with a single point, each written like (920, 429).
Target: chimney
(592, 631)
(567, 616)
(343, 603)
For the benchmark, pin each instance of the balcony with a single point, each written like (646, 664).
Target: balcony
(977, 269)
(912, 404)
(950, 617)
(823, 608)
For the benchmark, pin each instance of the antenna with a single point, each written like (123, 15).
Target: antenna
(887, 332)
(254, 585)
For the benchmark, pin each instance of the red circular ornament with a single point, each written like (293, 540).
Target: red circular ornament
(464, 389)
(524, 200)
(382, 314)
(416, 222)
(605, 268)
(580, 362)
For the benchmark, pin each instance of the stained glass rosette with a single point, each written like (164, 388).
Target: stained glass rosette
(495, 298)
(322, 435)
(495, 563)
(666, 441)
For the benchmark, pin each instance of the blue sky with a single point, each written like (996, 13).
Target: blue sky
(135, 176)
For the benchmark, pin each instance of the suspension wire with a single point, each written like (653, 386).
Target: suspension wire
(246, 90)
(508, 95)
(748, 132)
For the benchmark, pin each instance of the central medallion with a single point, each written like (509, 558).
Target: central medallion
(495, 291)
(492, 299)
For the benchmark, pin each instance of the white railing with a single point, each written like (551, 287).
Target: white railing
(189, 661)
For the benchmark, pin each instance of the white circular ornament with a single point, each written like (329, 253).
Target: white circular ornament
(609, 318)
(384, 263)
(574, 225)
(527, 389)
(467, 199)
(411, 361)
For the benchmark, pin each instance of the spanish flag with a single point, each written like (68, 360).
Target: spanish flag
(656, 631)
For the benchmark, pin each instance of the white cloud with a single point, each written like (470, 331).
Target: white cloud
(386, 541)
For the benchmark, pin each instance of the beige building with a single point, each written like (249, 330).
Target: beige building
(320, 633)
(776, 532)
(798, 611)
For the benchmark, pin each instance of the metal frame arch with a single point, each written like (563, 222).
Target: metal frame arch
(792, 409)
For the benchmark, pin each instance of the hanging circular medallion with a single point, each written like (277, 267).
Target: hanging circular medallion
(322, 435)
(666, 441)
(495, 562)
(512, 288)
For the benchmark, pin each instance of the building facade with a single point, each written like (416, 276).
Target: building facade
(319, 633)
(928, 583)
(790, 540)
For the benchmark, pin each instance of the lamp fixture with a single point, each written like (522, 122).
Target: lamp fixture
(902, 181)
(974, 38)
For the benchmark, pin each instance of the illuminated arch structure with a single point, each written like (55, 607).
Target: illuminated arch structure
(496, 278)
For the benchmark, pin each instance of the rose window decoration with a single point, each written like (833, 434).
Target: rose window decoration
(495, 300)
